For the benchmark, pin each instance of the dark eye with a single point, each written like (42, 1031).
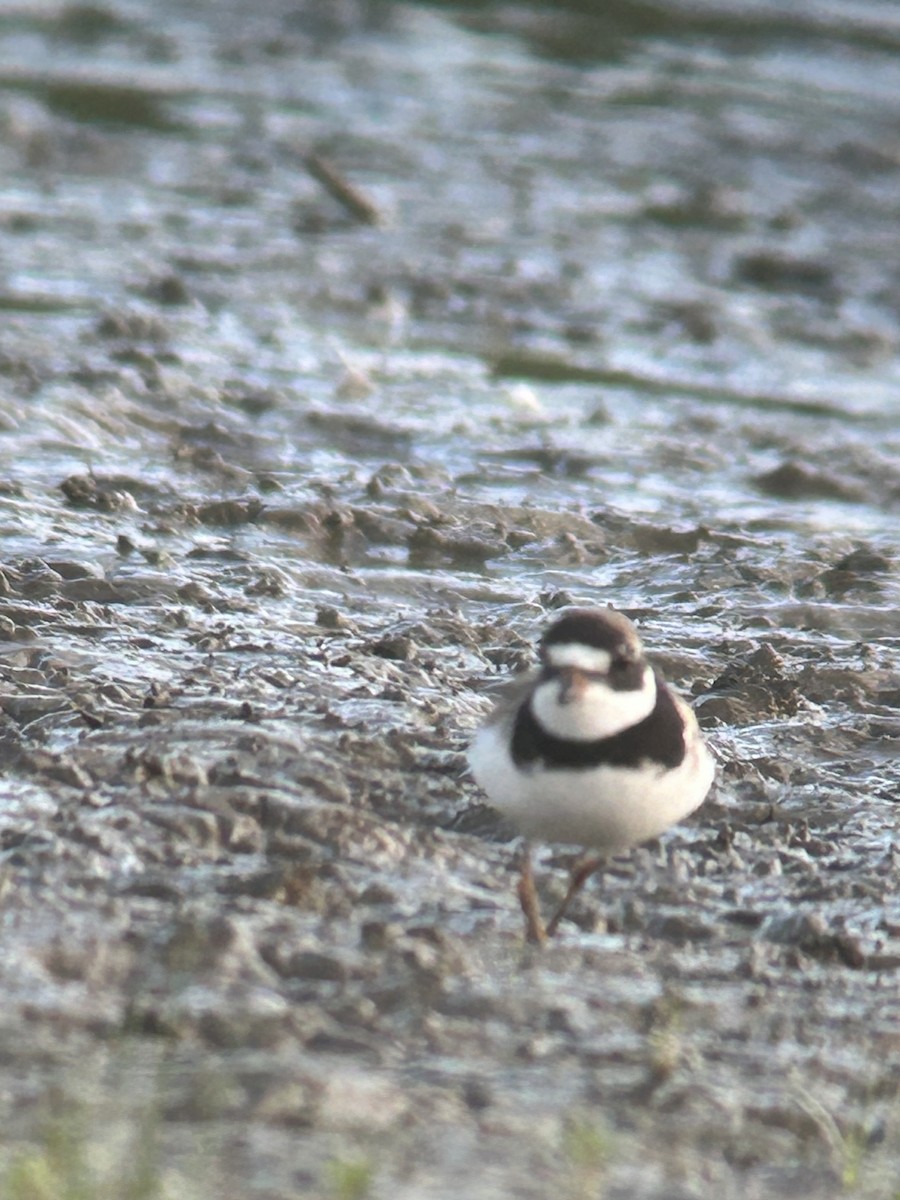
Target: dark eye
(619, 665)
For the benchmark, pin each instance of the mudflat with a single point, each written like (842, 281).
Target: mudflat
(342, 346)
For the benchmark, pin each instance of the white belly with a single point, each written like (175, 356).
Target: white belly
(604, 808)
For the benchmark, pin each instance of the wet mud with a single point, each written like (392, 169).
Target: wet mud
(341, 347)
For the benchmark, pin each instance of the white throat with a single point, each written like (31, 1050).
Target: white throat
(599, 712)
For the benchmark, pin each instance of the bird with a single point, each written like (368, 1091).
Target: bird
(591, 749)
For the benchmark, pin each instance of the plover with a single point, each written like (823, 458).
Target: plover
(590, 749)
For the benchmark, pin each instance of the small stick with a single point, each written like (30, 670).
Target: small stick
(357, 205)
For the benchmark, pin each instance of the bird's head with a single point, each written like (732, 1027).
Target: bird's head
(594, 680)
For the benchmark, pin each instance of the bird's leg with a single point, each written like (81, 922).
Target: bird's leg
(581, 873)
(528, 899)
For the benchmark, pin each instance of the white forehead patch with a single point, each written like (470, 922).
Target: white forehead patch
(582, 658)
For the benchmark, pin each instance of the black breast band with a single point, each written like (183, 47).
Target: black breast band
(659, 738)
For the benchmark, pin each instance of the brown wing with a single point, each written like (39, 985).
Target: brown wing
(509, 697)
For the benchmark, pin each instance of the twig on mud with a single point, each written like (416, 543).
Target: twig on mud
(359, 207)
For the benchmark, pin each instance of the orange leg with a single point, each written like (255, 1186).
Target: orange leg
(581, 873)
(528, 899)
